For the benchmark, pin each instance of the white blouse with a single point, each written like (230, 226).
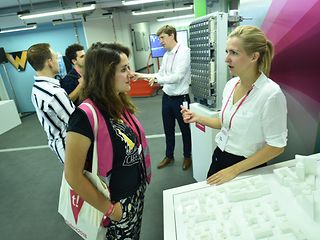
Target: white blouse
(175, 73)
(261, 119)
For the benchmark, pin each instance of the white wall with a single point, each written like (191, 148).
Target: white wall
(140, 57)
(3, 91)
(118, 29)
(256, 10)
(99, 30)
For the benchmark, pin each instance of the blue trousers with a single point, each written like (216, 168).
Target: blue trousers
(171, 112)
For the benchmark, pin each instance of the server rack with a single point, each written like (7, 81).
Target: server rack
(208, 37)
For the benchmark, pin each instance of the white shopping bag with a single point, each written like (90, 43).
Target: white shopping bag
(78, 214)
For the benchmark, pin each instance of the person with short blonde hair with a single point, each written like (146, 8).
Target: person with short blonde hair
(175, 77)
(168, 29)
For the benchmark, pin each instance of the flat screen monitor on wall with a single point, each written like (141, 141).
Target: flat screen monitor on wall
(157, 50)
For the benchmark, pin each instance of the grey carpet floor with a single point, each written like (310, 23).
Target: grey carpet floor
(30, 180)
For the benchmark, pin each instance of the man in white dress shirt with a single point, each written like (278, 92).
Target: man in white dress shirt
(174, 75)
(51, 102)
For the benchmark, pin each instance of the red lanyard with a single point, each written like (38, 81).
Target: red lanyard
(225, 106)
(131, 125)
(173, 59)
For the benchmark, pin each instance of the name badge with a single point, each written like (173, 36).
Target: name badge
(140, 149)
(222, 138)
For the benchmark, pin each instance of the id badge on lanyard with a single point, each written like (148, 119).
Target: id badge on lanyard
(169, 71)
(140, 149)
(222, 138)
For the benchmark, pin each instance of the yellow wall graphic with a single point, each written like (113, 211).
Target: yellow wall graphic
(18, 59)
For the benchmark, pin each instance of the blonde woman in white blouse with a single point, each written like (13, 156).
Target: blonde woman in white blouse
(253, 116)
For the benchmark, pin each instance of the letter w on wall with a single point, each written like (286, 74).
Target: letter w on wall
(18, 59)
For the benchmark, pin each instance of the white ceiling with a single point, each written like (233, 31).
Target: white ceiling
(9, 9)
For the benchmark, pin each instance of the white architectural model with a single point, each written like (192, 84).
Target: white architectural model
(256, 207)
(303, 181)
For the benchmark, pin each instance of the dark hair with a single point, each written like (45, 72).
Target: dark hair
(254, 40)
(168, 29)
(99, 75)
(38, 54)
(71, 51)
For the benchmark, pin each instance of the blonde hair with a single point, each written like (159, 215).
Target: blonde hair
(168, 29)
(254, 40)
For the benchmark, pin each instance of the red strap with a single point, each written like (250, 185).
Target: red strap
(131, 125)
(237, 106)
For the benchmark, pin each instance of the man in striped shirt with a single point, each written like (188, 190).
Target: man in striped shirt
(51, 102)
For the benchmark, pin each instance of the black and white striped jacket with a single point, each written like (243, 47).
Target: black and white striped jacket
(53, 108)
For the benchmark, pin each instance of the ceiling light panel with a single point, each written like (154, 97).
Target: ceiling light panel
(162, 10)
(136, 2)
(174, 18)
(18, 29)
(59, 12)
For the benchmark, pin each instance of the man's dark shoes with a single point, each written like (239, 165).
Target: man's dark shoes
(165, 162)
(186, 163)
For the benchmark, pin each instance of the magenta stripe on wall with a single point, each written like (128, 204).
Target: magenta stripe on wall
(294, 28)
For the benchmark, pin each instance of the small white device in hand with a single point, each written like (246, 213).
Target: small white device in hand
(185, 104)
